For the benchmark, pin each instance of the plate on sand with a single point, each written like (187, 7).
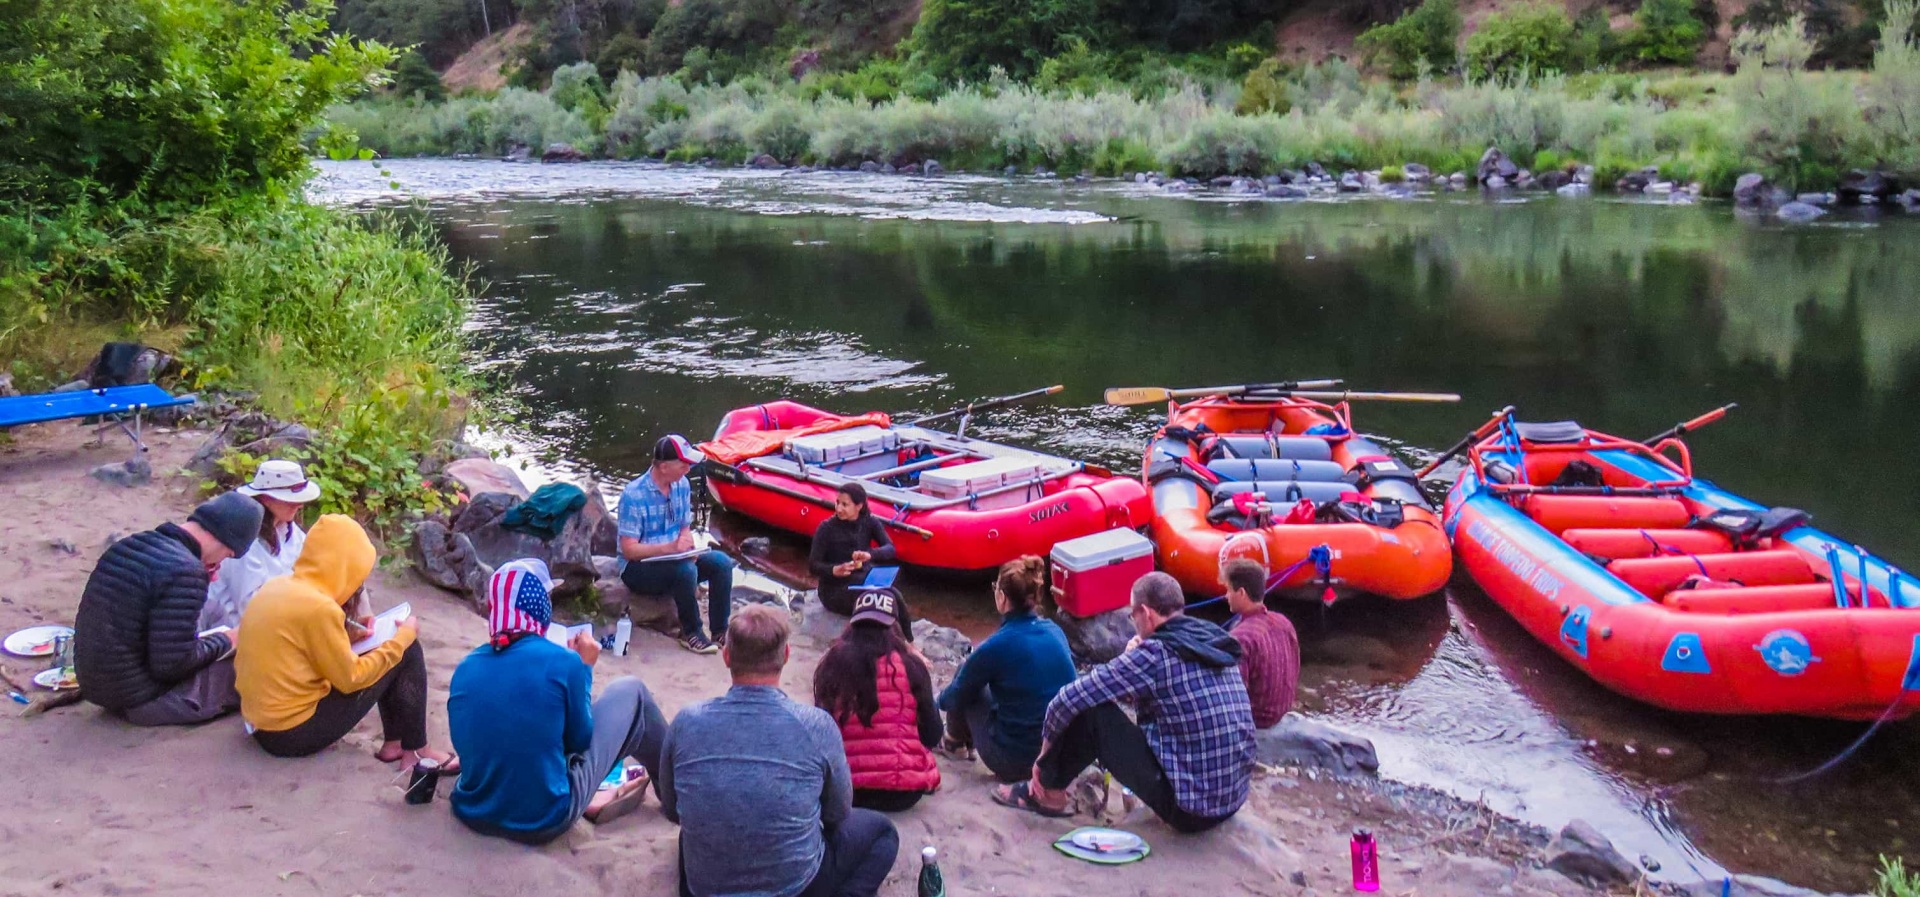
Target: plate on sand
(34, 641)
(1102, 845)
(51, 679)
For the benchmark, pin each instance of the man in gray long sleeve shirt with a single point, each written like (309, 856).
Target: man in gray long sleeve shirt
(760, 787)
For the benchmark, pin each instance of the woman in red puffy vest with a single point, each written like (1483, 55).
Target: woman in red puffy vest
(877, 687)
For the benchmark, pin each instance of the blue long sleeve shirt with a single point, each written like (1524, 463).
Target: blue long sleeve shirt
(515, 716)
(1021, 666)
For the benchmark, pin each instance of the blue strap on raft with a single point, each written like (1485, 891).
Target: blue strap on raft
(1321, 557)
(1839, 578)
(112, 400)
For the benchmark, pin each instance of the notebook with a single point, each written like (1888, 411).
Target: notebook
(384, 625)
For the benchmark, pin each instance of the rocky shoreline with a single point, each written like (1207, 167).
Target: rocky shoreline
(1495, 174)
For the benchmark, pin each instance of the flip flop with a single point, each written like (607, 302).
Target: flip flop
(953, 750)
(1020, 797)
(622, 805)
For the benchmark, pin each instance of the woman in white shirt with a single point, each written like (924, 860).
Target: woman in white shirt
(280, 487)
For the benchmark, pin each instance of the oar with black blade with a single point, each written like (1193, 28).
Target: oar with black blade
(1146, 395)
(968, 410)
(1482, 432)
(1678, 430)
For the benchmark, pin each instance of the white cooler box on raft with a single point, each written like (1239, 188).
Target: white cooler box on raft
(973, 478)
(841, 445)
(1095, 574)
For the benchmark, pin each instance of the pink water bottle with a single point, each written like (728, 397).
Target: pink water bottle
(1366, 861)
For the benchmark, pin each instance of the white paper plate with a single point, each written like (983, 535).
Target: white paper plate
(1108, 840)
(51, 679)
(34, 641)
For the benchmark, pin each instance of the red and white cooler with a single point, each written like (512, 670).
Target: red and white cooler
(1095, 574)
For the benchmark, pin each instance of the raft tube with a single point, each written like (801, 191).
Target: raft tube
(1633, 583)
(974, 533)
(1264, 447)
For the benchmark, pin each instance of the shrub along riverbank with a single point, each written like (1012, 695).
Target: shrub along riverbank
(1773, 115)
(150, 172)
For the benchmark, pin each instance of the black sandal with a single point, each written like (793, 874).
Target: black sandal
(1020, 797)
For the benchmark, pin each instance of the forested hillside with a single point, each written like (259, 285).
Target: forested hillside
(925, 43)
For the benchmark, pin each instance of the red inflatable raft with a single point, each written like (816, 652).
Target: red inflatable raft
(1287, 482)
(949, 501)
(1672, 591)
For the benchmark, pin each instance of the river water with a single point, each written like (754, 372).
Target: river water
(625, 301)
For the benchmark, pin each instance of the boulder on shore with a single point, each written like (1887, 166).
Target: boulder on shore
(477, 476)
(134, 471)
(1417, 172)
(944, 647)
(1752, 190)
(1581, 853)
(764, 161)
(1494, 163)
(562, 152)
(569, 555)
(1636, 181)
(1799, 212)
(1862, 185)
(1298, 741)
(1096, 639)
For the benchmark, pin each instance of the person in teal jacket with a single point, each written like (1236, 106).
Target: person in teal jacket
(534, 750)
(997, 702)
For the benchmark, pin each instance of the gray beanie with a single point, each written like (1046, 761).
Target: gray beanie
(232, 518)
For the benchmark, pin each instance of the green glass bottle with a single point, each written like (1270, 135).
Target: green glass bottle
(931, 884)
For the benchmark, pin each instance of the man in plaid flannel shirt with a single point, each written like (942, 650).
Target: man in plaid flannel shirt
(1190, 757)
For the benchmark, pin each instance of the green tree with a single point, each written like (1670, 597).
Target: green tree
(439, 29)
(1265, 90)
(413, 76)
(173, 101)
(718, 27)
(963, 40)
(1429, 33)
(1531, 38)
(1666, 32)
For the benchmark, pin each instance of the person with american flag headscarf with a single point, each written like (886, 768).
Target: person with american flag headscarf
(534, 747)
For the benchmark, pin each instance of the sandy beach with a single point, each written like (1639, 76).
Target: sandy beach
(96, 806)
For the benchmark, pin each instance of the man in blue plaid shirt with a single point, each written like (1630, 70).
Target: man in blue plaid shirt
(657, 553)
(1190, 757)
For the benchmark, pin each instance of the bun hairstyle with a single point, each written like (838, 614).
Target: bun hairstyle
(1021, 580)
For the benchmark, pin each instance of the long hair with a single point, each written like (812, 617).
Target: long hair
(269, 527)
(845, 683)
(858, 493)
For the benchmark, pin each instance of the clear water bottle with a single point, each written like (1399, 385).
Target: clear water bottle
(931, 884)
(1366, 861)
(622, 633)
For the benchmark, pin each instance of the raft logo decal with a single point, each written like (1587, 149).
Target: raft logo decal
(1573, 633)
(1685, 655)
(1786, 652)
(1521, 564)
(1048, 511)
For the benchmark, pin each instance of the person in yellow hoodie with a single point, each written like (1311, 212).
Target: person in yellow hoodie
(301, 686)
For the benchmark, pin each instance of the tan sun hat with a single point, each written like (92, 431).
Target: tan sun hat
(283, 480)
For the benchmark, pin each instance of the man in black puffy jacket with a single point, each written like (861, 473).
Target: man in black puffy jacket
(136, 645)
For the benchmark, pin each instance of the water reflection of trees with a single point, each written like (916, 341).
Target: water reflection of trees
(1628, 316)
